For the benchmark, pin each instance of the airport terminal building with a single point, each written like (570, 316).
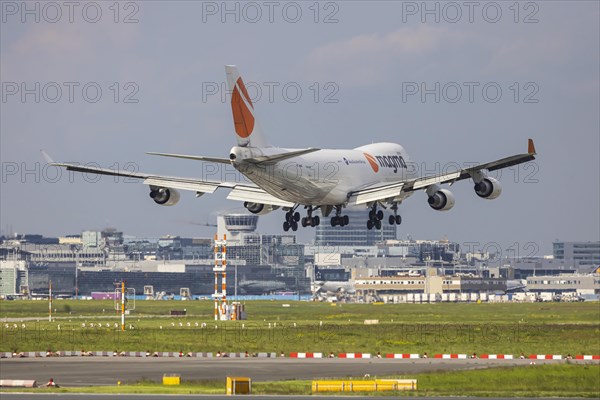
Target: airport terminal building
(374, 263)
(95, 261)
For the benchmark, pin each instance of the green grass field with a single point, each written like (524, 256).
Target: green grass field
(532, 328)
(566, 380)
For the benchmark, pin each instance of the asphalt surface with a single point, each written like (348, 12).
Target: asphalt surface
(52, 396)
(79, 371)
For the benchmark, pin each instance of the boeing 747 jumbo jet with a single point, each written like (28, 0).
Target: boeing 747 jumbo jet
(374, 176)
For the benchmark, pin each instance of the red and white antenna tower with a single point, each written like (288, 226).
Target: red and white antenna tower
(221, 309)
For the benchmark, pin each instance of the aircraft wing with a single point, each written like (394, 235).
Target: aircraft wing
(239, 191)
(391, 191)
(377, 193)
(255, 194)
(451, 177)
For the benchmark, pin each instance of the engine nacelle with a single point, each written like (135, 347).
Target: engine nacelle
(164, 196)
(442, 200)
(259, 208)
(488, 188)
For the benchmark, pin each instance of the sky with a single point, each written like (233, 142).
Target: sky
(453, 82)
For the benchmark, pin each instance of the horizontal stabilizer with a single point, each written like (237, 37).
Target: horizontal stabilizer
(197, 158)
(278, 157)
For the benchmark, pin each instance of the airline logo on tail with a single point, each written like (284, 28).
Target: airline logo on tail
(247, 127)
(242, 108)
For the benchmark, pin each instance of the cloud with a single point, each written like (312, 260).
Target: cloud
(526, 55)
(65, 51)
(368, 58)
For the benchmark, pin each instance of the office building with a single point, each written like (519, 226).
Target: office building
(581, 253)
(356, 232)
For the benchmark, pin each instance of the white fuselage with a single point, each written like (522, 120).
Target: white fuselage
(326, 177)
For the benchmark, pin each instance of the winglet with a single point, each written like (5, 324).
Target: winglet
(48, 159)
(530, 147)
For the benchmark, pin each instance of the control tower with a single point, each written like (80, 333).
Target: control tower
(235, 225)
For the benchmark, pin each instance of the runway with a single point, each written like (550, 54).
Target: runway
(78, 371)
(52, 396)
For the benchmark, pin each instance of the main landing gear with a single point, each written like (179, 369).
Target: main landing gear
(395, 219)
(375, 217)
(291, 220)
(337, 219)
(292, 217)
(309, 219)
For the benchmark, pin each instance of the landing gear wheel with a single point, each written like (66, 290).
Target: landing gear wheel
(398, 219)
(371, 214)
(392, 220)
(304, 222)
(296, 216)
(379, 215)
(369, 224)
(312, 222)
(334, 221)
(317, 220)
(378, 224)
(286, 226)
(294, 225)
(346, 219)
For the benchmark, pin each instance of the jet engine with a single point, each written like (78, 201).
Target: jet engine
(164, 196)
(488, 188)
(259, 208)
(442, 200)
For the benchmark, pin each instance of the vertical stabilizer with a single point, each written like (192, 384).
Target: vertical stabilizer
(247, 130)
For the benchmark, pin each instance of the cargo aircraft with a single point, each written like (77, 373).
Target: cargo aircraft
(322, 181)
